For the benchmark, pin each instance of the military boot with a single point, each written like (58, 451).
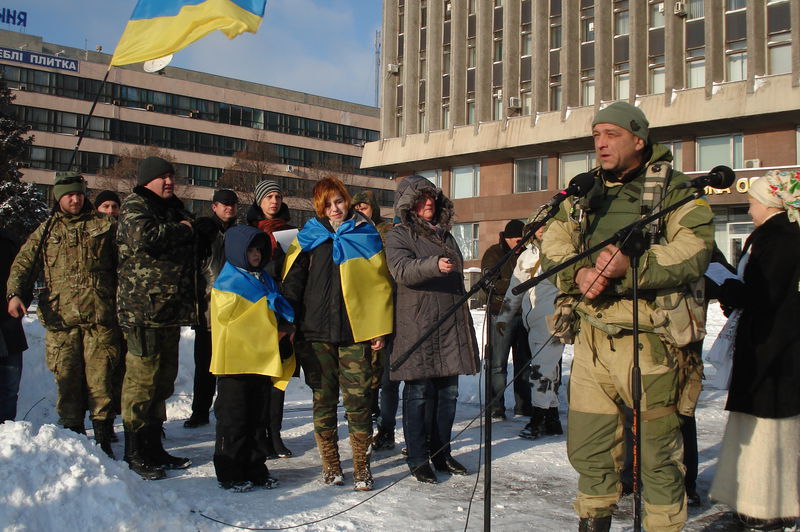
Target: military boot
(595, 524)
(384, 439)
(156, 453)
(134, 445)
(328, 445)
(536, 426)
(362, 475)
(102, 435)
(552, 423)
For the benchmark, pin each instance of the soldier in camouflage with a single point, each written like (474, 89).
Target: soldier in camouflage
(155, 297)
(78, 258)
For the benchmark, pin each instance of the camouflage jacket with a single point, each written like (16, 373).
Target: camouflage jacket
(79, 260)
(680, 257)
(156, 262)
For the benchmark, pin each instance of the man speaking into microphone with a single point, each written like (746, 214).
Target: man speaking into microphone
(633, 179)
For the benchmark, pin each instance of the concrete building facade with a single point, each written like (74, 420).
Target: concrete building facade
(493, 99)
(199, 120)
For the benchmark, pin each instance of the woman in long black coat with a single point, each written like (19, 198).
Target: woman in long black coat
(758, 474)
(427, 267)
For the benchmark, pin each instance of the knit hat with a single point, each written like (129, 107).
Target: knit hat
(626, 116)
(265, 187)
(226, 197)
(67, 182)
(106, 195)
(513, 229)
(779, 189)
(153, 167)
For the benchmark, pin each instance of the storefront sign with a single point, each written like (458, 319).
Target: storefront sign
(13, 17)
(33, 58)
(742, 185)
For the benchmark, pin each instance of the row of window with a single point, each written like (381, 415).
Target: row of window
(179, 139)
(57, 159)
(162, 102)
(530, 174)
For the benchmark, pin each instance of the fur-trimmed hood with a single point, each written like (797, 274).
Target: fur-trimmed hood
(409, 191)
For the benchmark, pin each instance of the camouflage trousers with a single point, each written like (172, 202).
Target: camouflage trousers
(349, 368)
(151, 369)
(83, 360)
(599, 384)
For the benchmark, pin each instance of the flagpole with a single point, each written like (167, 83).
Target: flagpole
(88, 118)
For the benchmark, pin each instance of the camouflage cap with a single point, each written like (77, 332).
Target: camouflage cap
(67, 182)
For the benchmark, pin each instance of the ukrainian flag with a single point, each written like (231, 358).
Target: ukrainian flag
(244, 326)
(366, 284)
(162, 27)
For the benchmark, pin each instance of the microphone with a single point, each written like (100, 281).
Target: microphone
(719, 177)
(578, 186)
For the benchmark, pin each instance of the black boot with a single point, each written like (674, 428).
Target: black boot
(536, 426)
(384, 439)
(595, 524)
(277, 443)
(102, 435)
(156, 453)
(424, 473)
(134, 445)
(77, 428)
(552, 423)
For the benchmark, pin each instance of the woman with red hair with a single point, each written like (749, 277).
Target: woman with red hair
(336, 278)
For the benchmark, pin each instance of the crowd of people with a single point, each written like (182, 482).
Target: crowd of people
(349, 296)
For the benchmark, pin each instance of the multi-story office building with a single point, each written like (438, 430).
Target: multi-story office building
(493, 99)
(199, 120)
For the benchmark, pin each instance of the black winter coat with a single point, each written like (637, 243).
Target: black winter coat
(11, 328)
(424, 293)
(210, 234)
(766, 363)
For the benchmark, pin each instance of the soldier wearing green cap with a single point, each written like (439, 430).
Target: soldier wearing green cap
(78, 259)
(599, 288)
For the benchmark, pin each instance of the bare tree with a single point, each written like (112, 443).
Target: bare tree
(121, 176)
(258, 161)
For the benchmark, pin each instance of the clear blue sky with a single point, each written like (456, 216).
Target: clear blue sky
(323, 47)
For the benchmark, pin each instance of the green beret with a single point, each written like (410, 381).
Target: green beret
(626, 116)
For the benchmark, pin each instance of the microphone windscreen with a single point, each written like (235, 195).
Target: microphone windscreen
(581, 184)
(721, 177)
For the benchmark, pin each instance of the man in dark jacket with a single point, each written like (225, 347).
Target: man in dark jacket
(515, 337)
(12, 336)
(427, 266)
(155, 297)
(210, 259)
(76, 306)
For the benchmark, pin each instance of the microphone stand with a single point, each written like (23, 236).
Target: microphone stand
(633, 246)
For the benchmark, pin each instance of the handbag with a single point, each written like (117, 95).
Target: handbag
(721, 353)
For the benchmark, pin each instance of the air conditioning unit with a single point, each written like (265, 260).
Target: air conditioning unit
(514, 103)
(194, 113)
(289, 168)
(752, 163)
(150, 107)
(22, 88)
(661, 7)
(680, 9)
(114, 102)
(393, 68)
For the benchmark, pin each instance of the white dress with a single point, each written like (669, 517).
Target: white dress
(758, 473)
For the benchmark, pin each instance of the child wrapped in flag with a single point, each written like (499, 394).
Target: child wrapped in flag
(335, 276)
(248, 318)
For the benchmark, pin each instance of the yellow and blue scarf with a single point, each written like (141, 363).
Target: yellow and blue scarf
(244, 326)
(366, 284)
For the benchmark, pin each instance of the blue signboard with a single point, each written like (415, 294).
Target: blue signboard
(44, 60)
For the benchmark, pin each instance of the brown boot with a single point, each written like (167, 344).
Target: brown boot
(362, 476)
(328, 445)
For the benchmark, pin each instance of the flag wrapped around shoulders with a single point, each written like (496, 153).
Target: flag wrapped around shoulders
(244, 326)
(366, 283)
(161, 27)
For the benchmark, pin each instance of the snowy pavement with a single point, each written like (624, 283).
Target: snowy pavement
(52, 479)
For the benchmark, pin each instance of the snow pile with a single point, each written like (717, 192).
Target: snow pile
(54, 479)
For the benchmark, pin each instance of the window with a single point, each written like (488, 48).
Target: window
(530, 174)
(724, 149)
(471, 112)
(572, 164)
(657, 74)
(497, 106)
(733, 5)
(736, 61)
(587, 25)
(622, 81)
(434, 176)
(694, 9)
(657, 14)
(621, 18)
(445, 116)
(780, 53)
(587, 87)
(695, 68)
(466, 182)
(466, 236)
(527, 101)
(676, 147)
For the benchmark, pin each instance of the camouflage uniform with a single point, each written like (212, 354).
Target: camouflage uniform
(155, 297)
(600, 379)
(76, 308)
(349, 368)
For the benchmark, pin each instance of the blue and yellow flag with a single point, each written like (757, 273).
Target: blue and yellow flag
(244, 326)
(366, 284)
(161, 27)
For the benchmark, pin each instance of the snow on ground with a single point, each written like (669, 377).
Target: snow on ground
(53, 479)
